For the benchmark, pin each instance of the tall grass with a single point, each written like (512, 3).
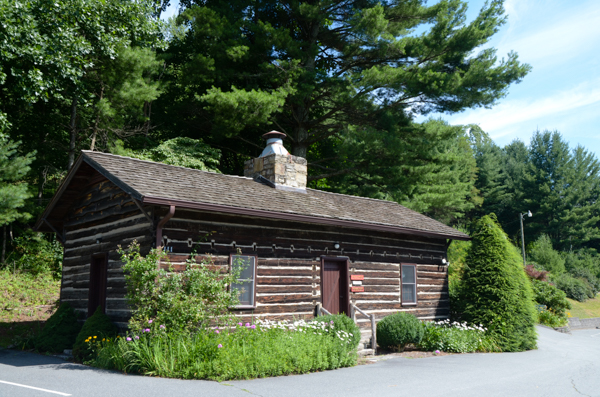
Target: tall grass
(456, 338)
(244, 352)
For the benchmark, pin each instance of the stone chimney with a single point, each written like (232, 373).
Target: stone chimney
(276, 167)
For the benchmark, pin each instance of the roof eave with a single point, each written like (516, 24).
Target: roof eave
(297, 217)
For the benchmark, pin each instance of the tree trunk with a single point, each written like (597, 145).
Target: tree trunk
(73, 131)
(95, 133)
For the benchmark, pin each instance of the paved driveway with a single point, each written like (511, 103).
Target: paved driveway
(564, 365)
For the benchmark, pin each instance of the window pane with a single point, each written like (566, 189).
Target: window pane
(408, 293)
(408, 274)
(247, 265)
(246, 292)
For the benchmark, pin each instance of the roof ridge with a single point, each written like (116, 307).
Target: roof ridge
(360, 197)
(161, 164)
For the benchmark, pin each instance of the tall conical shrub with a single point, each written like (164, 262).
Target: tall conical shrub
(495, 290)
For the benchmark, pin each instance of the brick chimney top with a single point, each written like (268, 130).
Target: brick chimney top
(276, 167)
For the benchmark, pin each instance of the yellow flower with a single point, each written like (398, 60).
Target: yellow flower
(94, 336)
(103, 340)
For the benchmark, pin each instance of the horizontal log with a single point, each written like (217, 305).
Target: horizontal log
(432, 268)
(428, 275)
(371, 306)
(285, 298)
(381, 274)
(382, 288)
(261, 271)
(284, 308)
(432, 288)
(375, 297)
(432, 281)
(265, 289)
(425, 297)
(433, 303)
(360, 266)
(382, 281)
(285, 281)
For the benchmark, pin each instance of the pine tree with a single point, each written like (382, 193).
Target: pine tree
(495, 290)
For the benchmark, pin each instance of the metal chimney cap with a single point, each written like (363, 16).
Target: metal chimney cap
(274, 135)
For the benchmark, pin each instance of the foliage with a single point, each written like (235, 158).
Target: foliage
(341, 322)
(543, 254)
(590, 278)
(535, 274)
(457, 256)
(456, 338)
(244, 352)
(399, 329)
(495, 290)
(181, 151)
(13, 167)
(96, 326)
(60, 331)
(183, 301)
(22, 294)
(34, 254)
(575, 288)
(551, 318)
(553, 298)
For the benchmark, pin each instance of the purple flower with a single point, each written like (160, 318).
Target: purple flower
(247, 325)
(331, 322)
(216, 331)
(162, 326)
(128, 339)
(219, 345)
(437, 352)
(136, 337)
(149, 321)
(253, 326)
(147, 330)
(240, 324)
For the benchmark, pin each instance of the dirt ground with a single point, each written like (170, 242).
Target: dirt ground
(408, 353)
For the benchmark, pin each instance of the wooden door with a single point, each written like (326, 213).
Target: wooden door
(97, 289)
(334, 286)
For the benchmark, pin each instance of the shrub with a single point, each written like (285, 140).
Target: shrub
(535, 274)
(97, 326)
(548, 295)
(542, 253)
(550, 318)
(587, 275)
(495, 290)
(60, 331)
(36, 255)
(575, 288)
(342, 322)
(397, 330)
(456, 338)
(457, 255)
(184, 301)
(247, 351)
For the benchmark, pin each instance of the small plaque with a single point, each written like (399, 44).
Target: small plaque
(357, 277)
(358, 289)
(356, 282)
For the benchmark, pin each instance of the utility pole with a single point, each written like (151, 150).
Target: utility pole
(521, 216)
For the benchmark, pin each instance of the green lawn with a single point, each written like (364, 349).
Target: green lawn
(587, 309)
(25, 304)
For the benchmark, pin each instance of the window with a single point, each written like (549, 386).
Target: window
(247, 279)
(409, 284)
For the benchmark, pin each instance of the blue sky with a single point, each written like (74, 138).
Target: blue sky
(561, 41)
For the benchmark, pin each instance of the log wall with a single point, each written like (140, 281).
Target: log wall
(102, 218)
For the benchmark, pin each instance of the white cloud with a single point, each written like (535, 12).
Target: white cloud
(507, 117)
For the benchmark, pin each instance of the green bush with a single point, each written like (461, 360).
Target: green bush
(399, 329)
(341, 322)
(495, 290)
(248, 351)
(551, 318)
(97, 326)
(587, 275)
(543, 254)
(575, 288)
(60, 331)
(548, 295)
(184, 301)
(36, 255)
(456, 338)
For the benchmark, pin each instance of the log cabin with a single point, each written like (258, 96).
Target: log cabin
(307, 250)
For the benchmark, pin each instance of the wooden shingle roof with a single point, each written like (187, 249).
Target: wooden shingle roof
(162, 184)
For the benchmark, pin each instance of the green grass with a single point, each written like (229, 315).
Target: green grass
(587, 309)
(25, 303)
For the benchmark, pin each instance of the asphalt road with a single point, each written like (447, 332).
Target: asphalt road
(563, 365)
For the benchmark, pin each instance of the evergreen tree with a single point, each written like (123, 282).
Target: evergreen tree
(495, 290)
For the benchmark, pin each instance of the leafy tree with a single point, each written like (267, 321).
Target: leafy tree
(495, 290)
(542, 253)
